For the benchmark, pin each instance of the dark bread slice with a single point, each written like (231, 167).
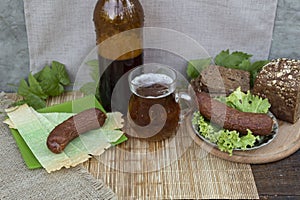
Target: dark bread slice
(279, 81)
(218, 80)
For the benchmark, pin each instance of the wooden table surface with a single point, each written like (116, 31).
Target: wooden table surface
(279, 180)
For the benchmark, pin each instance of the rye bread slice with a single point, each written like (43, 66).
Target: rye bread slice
(218, 80)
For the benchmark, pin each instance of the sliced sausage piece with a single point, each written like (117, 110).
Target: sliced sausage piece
(68, 130)
(232, 119)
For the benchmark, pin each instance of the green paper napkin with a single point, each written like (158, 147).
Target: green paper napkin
(74, 106)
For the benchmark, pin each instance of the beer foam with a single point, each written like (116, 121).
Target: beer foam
(148, 79)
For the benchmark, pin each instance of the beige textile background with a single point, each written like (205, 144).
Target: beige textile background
(64, 31)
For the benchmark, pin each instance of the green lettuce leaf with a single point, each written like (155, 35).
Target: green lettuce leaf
(227, 140)
(247, 102)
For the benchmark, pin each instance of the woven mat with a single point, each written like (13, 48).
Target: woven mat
(196, 175)
(176, 168)
(18, 182)
(185, 171)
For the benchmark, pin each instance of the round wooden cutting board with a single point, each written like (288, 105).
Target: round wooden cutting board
(286, 142)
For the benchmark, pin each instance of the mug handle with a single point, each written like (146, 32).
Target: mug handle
(186, 104)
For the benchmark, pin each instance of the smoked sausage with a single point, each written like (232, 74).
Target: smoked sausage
(71, 128)
(232, 119)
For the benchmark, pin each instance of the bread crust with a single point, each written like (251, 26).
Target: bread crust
(279, 81)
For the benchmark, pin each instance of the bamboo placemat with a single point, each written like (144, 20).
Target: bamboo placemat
(185, 171)
(176, 168)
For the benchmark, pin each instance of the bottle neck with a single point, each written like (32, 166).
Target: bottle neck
(108, 4)
(118, 8)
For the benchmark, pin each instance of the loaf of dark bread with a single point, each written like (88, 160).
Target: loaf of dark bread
(279, 81)
(218, 80)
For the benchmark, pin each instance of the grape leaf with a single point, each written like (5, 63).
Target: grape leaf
(33, 87)
(195, 67)
(89, 88)
(32, 93)
(94, 66)
(47, 82)
(52, 79)
(255, 68)
(60, 72)
(92, 87)
(233, 60)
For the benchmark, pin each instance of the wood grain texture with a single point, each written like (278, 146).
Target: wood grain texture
(279, 180)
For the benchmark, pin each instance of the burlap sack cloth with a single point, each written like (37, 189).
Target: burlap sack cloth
(64, 30)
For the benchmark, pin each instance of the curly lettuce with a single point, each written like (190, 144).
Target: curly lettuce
(247, 102)
(227, 140)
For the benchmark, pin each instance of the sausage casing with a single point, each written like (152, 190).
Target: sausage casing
(71, 128)
(232, 119)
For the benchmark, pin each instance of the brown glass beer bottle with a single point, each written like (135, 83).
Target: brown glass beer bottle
(118, 26)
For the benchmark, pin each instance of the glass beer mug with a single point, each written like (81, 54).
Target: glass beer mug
(154, 112)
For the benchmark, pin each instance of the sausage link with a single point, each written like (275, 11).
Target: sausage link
(232, 119)
(71, 128)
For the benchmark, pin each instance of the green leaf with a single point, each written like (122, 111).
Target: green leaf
(240, 60)
(195, 67)
(242, 55)
(35, 101)
(94, 65)
(89, 88)
(219, 59)
(247, 102)
(248, 140)
(92, 87)
(37, 75)
(52, 79)
(32, 93)
(18, 103)
(122, 139)
(50, 82)
(233, 60)
(47, 82)
(33, 87)
(60, 72)
(245, 65)
(255, 69)
(226, 140)
(257, 66)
